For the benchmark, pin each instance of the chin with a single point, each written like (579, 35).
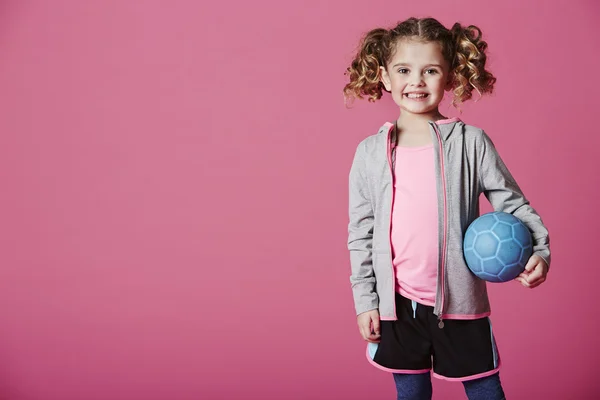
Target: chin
(419, 110)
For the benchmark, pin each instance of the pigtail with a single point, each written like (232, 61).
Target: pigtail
(364, 72)
(469, 71)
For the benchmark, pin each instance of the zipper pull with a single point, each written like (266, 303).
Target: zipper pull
(440, 323)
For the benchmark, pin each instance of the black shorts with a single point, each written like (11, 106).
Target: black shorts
(461, 350)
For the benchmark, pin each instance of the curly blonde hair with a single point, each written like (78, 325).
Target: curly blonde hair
(462, 47)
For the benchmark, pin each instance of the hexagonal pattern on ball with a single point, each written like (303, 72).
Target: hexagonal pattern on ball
(497, 246)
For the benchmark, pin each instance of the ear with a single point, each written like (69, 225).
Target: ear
(385, 79)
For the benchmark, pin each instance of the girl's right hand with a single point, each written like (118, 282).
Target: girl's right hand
(369, 326)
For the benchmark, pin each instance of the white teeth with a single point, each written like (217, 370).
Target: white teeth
(415, 95)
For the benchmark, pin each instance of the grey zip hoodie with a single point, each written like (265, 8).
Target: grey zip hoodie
(467, 164)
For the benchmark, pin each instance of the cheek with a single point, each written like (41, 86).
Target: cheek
(398, 83)
(438, 83)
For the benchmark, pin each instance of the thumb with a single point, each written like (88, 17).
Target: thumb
(531, 263)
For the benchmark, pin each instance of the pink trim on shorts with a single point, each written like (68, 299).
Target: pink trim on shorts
(471, 377)
(396, 371)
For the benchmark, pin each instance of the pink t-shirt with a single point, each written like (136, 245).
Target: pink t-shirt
(415, 224)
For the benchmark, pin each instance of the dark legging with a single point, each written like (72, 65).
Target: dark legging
(418, 387)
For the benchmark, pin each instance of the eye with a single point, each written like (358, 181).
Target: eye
(432, 71)
(403, 70)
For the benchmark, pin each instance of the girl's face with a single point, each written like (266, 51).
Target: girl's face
(417, 76)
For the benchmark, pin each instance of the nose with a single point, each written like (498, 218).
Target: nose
(415, 79)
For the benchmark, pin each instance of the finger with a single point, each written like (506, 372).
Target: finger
(376, 326)
(368, 336)
(534, 276)
(522, 281)
(364, 332)
(537, 282)
(367, 332)
(523, 275)
(373, 338)
(531, 264)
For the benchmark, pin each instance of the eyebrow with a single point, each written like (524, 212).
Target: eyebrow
(408, 65)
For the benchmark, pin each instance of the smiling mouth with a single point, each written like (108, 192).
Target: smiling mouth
(416, 95)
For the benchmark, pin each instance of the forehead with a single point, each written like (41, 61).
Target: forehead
(418, 53)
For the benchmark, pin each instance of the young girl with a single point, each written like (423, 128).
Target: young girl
(414, 190)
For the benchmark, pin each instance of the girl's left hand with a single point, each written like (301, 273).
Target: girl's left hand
(535, 272)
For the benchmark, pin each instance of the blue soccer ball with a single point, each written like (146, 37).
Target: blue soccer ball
(497, 246)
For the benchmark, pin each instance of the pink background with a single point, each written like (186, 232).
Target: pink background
(174, 196)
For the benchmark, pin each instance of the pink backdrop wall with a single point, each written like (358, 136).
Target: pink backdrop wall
(174, 196)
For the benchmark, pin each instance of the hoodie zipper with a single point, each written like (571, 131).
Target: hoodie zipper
(389, 159)
(445, 222)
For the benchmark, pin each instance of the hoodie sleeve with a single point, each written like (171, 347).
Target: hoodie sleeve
(504, 194)
(360, 236)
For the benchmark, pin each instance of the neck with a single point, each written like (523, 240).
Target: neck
(409, 120)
